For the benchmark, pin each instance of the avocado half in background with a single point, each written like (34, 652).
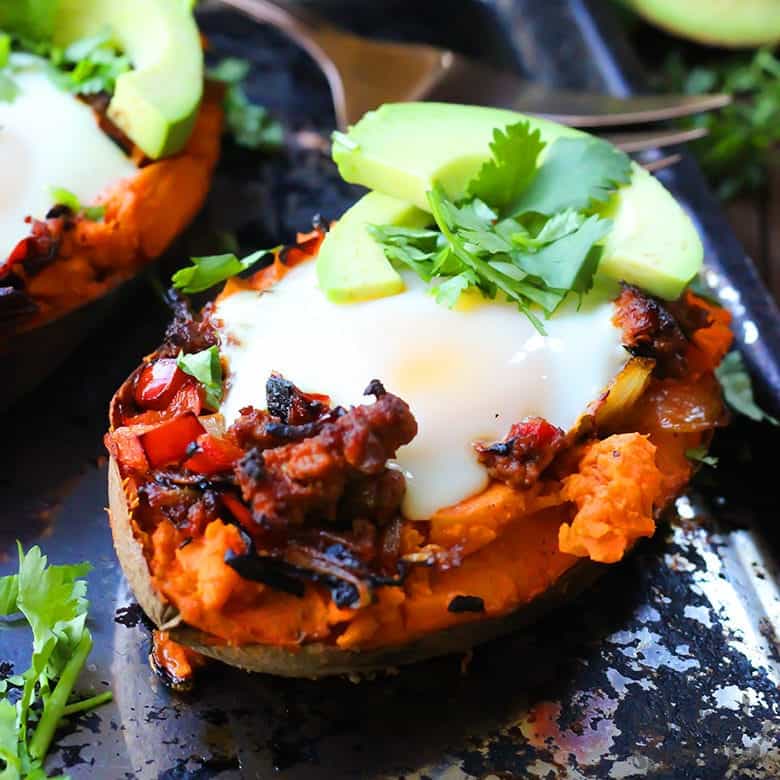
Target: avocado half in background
(98, 185)
(729, 23)
(281, 530)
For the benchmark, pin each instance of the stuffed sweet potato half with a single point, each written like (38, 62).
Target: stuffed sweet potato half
(420, 429)
(277, 542)
(108, 148)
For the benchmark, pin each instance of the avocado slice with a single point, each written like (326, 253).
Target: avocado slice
(29, 18)
(733, 23)
(402, 149)
(351, 266)
(156, 103)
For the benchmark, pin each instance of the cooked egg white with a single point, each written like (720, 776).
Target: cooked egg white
(467, 373)
(48, 138)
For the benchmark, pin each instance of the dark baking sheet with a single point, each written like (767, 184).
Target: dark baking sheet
(668, 668)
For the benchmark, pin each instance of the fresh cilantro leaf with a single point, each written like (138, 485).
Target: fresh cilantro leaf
(502, 179)
(577, 173)
(8, 89)
(93, 65)
(63, 197)
(86, 67)
(205, 272)
(9, 743)
(699, 454)
(250, 124)
(231, 70)
(570, 262)
(738, 389)
(448, 292)
(206, 367)
(557, 227)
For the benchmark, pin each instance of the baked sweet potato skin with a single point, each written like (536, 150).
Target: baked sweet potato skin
(143, 215)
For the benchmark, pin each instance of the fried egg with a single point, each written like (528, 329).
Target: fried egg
(467, 373)
(48, 138)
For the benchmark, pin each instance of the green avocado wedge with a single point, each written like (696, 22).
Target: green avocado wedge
(404, 149)
(156, 103)
(29, 18)
(351, 265)
(732, 23)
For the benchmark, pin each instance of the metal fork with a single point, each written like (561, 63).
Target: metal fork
(364, 73)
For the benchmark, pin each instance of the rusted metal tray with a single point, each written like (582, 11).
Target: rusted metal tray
(668, 668)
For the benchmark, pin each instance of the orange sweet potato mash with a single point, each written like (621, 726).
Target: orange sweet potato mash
(506, 545)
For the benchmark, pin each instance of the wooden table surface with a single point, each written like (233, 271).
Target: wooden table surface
(755, 218)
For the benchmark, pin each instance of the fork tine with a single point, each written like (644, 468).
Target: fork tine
(662, 162)
(641, 140)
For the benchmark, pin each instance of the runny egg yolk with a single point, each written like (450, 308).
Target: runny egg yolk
(467, 373)
(48, 138)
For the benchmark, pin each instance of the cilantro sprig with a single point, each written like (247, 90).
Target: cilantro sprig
(206, 272)
(742, 138)
(529, 232)
(738, 389)
(250, 124)
(206, 367)
(62, 197)
(52, 601)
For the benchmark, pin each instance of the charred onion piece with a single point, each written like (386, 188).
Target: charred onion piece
(291, 405)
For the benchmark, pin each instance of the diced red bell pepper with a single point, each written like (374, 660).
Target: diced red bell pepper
(214, 454)
(19, 253)
(239, 511)
(168, 443)
(158, 383)
(188, 398)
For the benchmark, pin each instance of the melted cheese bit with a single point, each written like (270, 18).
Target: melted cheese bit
(467, 373)
(48, 138)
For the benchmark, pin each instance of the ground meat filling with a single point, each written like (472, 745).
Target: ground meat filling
(309, 478)
(525, 452)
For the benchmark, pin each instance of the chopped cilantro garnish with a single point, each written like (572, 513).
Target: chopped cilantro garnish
(699, 454)
(86, 67)
(738, 389)
(92, 65)
(206, 367)
(63, 197)
(205, 272)
(52, 600)
(525, 230)
(250, 124)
